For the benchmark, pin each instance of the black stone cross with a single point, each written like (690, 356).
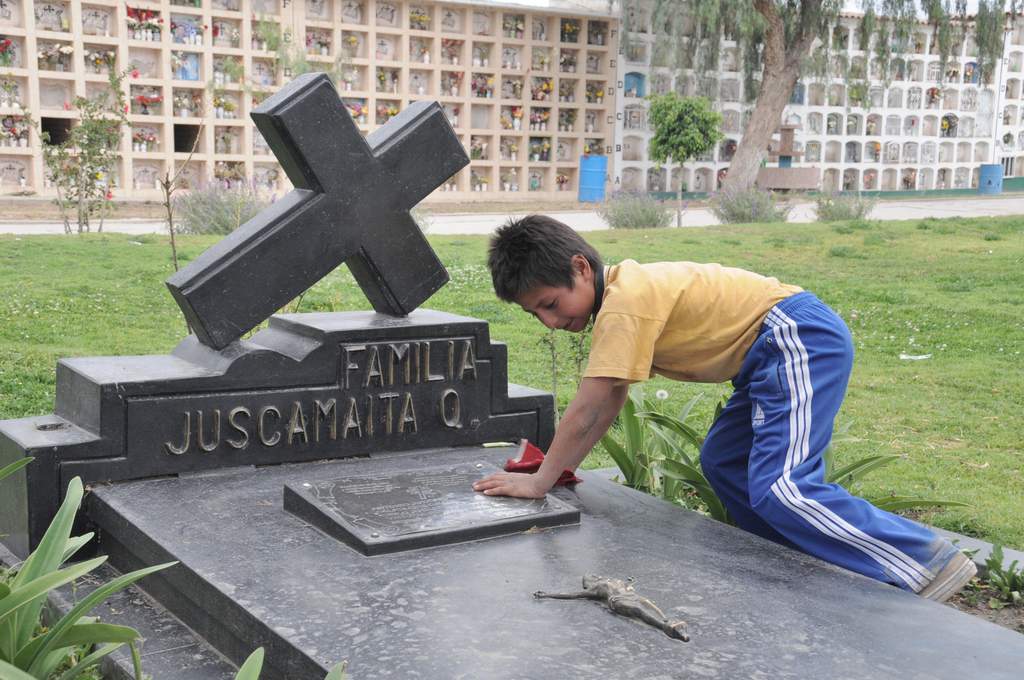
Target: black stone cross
(350, 204)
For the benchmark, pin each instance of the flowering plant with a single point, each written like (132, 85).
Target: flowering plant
(476, 149)
(356, 109)
(419, 19)
(100, 58)
(595, 91)
(483, 85)
(567, 117)
(54, 53)
(513, 25)
(6, 52)
(385, 111)
(183, 101)
(318, 40)
(567, 60)
(222, 102)
(140, 19)
(451, 49)
(540, 58)
(540, 115)
(143, 136)
(542, 87)
(146, 100)
(561, 179)
(570, 30)
(223, 170)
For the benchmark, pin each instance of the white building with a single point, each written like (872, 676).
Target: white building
(925, 130)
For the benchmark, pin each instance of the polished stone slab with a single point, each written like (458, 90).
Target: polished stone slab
(390, 512)
(308, 387)
(253, 574)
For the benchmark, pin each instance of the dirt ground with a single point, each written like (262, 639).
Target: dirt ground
(974, 599)
(35, 208)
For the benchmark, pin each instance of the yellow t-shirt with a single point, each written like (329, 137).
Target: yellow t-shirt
(682, 320)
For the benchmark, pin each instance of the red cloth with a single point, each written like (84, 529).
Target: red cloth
(529, 460)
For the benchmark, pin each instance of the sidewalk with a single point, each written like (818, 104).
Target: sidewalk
(588, 220)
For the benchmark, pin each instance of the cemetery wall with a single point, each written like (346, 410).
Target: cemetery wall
(925, 129)
(527, 90)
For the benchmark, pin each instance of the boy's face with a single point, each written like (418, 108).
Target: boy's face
(566, 309)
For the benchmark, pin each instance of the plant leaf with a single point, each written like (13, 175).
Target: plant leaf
(684, 414)
(859, 468)
(338, 672)
(695, 479)
(631, 428)
(45, 559)
(250, 670)
(74, 545)
(83, 607)
(891, 503)
(88, 661)
(9, 470)
(28, 592)
(9, 672)
(682, 429)
(88, 634)
(620, 457)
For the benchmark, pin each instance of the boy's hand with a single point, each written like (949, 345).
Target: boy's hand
(516, 484)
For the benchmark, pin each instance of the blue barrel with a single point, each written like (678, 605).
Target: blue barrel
(990, 179)
(593, 170)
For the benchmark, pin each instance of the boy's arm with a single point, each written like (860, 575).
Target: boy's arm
(597, 402)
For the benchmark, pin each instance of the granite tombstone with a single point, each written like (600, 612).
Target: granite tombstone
(312, 481)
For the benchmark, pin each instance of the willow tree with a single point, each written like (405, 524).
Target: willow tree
(780, 41)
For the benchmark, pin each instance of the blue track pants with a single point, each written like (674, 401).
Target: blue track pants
(763, 455)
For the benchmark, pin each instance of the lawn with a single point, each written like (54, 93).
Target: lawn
(950, 289)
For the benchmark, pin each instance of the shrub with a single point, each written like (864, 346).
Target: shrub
(634, 211)
(212, 209)
(76, 641)
(659, 453)
(833, 207)
(747, 205)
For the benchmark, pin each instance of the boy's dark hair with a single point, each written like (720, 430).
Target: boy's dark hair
(535, 251)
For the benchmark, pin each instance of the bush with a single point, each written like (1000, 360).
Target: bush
(212, 209)
(834, 207)
(750, 205)
(634, 211)
(76, 641)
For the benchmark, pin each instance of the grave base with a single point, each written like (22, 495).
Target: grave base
(259, 576)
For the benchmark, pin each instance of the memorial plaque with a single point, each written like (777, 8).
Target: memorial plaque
(392, 512)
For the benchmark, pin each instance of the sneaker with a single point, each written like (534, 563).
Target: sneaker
(950, 579)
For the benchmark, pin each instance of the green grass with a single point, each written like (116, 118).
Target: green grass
(953, 289)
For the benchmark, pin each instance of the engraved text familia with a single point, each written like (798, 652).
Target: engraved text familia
(382, 390)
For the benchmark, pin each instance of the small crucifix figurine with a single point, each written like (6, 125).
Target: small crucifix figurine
(619, 596)
(350, 204)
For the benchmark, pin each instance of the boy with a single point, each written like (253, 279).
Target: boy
(788, 356)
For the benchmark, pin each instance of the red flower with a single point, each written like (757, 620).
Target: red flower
(135, 73)
(110, 195)
(126, 108)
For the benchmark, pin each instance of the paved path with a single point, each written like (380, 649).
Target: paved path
(485, 223)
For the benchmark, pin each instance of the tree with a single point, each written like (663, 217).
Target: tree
(81, 165)
(684, 128)
(782, 40)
